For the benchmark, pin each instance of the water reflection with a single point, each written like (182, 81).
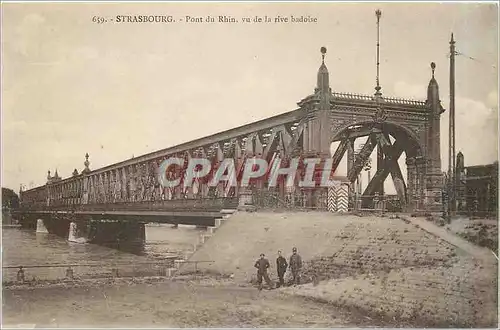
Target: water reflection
(137, 248)
(26, 247)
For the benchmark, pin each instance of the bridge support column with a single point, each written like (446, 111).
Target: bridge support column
(434, 176)
(78, 232)
(433, 197)
(40, 227)
(412, 192)
(350, 164)
(420, 184)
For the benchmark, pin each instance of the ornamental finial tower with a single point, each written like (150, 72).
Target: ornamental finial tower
(323, 83)
(86, 163)
(317, 107)
(434, 176)
(433, 92)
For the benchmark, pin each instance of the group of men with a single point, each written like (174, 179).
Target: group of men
(294, 264)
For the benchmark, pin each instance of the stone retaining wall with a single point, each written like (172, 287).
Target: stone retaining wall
(366, 247)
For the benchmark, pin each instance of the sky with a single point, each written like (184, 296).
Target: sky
(72, 86)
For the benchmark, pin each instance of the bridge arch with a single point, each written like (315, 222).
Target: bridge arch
(388, 153)
(414, 146)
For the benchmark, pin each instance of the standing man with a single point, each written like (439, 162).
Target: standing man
(281, 266)
(262, 265)
(295, 266)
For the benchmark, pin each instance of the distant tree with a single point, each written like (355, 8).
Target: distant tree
(10, 200)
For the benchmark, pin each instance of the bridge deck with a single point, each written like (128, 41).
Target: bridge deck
(136, 213)
(176, 205)
(182, 211)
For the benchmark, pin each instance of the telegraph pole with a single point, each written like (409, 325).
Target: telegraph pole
(378, 95)
(451, 147)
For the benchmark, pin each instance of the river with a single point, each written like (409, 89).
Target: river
(22, 247)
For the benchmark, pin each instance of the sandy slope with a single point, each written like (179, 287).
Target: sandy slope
(239, 241)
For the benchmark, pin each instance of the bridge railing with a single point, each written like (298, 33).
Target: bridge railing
(297, 200)
(202, 204)
(300, 200)
(371, 98)
(375, 203)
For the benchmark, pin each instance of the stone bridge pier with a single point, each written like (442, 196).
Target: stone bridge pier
(121, 234)
(116, 233)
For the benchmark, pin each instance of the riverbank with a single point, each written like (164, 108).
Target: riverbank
(397, 267)
(179, 302)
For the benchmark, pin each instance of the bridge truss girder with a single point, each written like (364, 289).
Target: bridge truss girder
(304, 132)
(389, 152)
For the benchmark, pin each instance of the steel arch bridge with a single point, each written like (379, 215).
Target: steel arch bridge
(391, 126)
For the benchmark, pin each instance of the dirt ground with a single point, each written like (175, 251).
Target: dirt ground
(182, 303)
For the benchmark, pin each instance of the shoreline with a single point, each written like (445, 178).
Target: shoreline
(184, 301)
(4, 226)
(176, 302)
(108, 281)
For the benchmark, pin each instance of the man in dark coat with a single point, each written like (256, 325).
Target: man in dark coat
(295, 266)
(262, 265)
(281, 266)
